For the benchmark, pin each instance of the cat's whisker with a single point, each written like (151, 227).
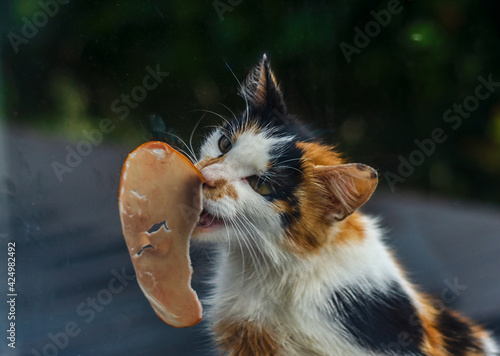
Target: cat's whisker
(216, 114)
(250, 247)
(292, 160)
(232, 113)
(192, 133)
(234, 75)
(262, 239)
(210, 127)
(262, 258)
(242, 92)
(269, 178)
(190, 154)
(290, 167)
(241, 236)
(230, 222)
(228, 238)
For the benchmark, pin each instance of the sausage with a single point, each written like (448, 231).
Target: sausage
(160, 203)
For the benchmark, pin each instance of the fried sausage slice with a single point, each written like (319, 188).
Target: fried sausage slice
(160, 204)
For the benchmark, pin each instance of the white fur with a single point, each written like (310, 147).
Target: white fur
(250, 154)
(491, 347)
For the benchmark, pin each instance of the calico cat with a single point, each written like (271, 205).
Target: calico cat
(301, 271)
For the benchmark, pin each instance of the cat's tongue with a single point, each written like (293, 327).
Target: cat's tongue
(160, 204)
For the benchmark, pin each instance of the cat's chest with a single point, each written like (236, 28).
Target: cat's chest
(283, 305)
(293, 304)
(256, 296)
(298, 328)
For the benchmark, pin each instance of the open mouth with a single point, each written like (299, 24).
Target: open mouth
(208, 221)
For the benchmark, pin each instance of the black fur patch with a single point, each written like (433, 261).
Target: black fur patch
(460, 339)
(286, 219)
(285, 173)
(381, 321)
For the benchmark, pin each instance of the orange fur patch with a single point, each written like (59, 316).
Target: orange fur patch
(245, 339)
(219, 189)
(209, 161)
(317, 154)
(351, 230)
(311, 231)
(282, 207)
(435, 343)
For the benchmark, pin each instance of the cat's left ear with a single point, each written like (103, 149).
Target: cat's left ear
(345, 187)
(263, 92)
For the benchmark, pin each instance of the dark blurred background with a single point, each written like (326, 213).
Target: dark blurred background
(411, 88)
(396, 90)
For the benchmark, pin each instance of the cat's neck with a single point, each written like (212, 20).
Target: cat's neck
(354, 255)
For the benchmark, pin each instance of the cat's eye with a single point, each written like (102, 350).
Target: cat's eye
(225, 144)
(259, 185)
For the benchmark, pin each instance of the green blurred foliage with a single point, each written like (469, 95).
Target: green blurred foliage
(394, 91)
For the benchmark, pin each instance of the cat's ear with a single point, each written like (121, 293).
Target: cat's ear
(262, 91)
(345, 187)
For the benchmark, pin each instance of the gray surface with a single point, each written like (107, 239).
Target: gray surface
(441, 240)
(69, 240)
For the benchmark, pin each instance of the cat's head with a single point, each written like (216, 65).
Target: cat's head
(269, 182)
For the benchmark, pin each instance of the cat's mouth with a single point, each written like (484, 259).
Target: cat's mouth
(209, 221)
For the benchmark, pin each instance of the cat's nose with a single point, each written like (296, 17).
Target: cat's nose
(208, 184)
(210, 181)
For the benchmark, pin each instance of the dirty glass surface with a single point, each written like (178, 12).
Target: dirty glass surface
(411, 88)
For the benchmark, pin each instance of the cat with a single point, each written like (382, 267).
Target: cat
(300, 270)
